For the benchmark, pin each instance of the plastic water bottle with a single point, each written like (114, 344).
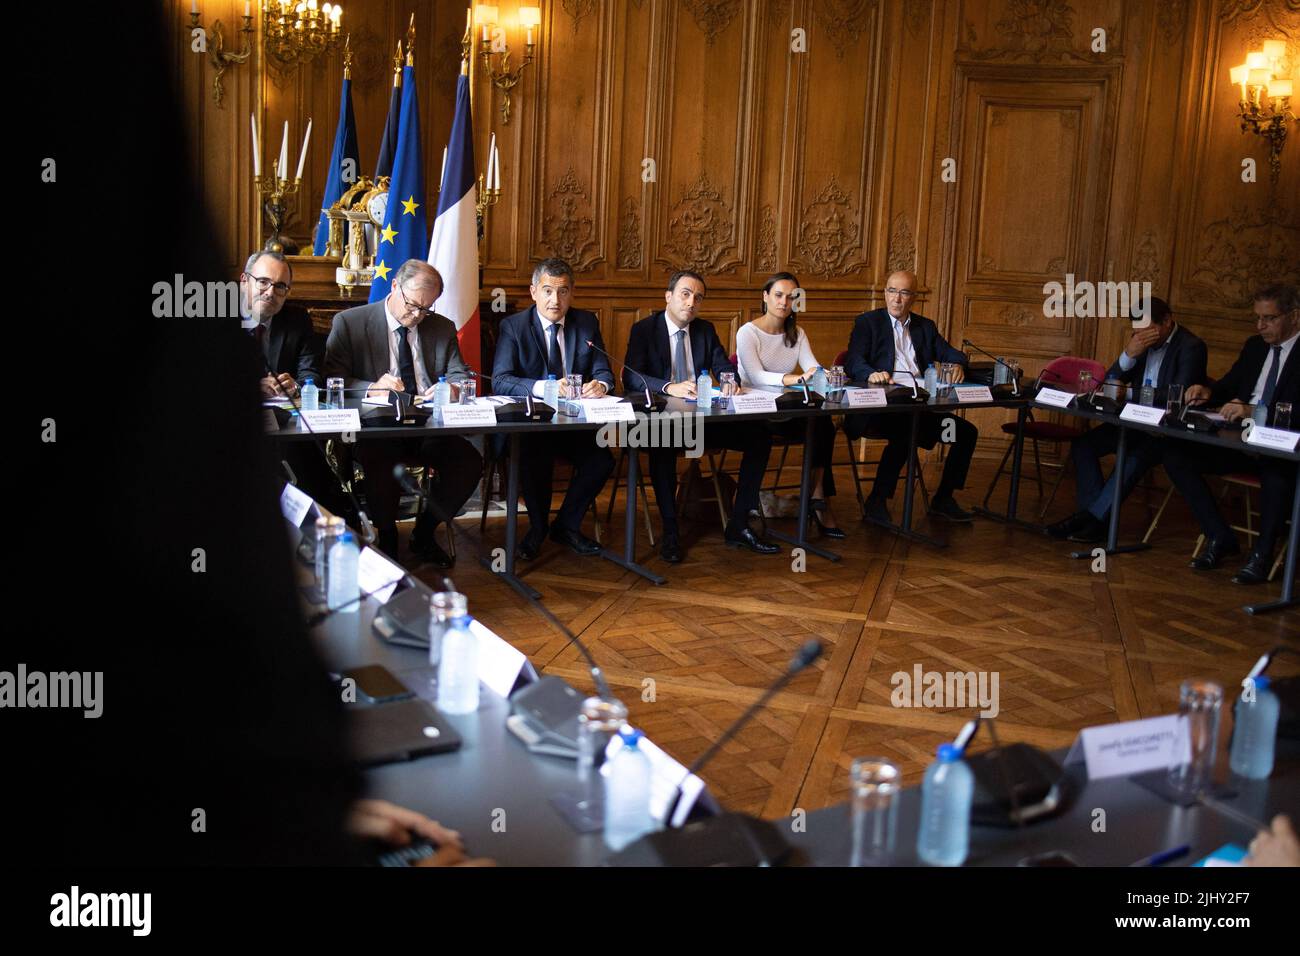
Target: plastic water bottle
(1254, 733)
(442, 392)
(343, 588)
(932, 379)
(704, 393)
(310, 396)
(817, 381)
(458, 672)
(946, 793)
(551, 392)
(627, 792)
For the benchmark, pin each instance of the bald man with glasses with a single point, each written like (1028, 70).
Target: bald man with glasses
(290, 349)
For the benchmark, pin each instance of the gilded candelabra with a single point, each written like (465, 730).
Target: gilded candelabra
(215, 46)
(275, 190)
(298, 31)
(1261, 79)
(493, 44)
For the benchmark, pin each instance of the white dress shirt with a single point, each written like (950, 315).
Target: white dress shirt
(422, 382)
(904, 352)
(1287, 346)
(539, 387)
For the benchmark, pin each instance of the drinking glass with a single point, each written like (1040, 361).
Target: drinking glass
(598, 721)
(573, 386)
(444, 607)
(949, 374)
(1174, 398)
(727, 383)
(333, 393)
(1147, 396)
(1282, 416)
(1001, 376)
(1196, 742)
(875, 784)
(1085, 381)
(468, 391)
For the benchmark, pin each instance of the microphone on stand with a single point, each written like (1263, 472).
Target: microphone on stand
(729, 839)
(1015, 386)
(649, 400)
(909, 372)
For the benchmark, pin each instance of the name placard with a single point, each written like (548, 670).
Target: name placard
(376, 575)
(499, 664)
(1054, 397)
(601, 410)
(294, 504)
(972, 393)
(1143, 414)
(1270, 438)
(469, 415)
(1134, 746)
(865, 397)
(332, 420)
(753, 402)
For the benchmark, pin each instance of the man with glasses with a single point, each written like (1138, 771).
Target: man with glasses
(290, 349)
(1266, 373)
(401, 345)
(894, 346)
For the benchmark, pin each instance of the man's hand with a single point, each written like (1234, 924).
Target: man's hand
(594, 389)
(1141, 340)
(450, 856)
(1276, 846)
(1196, 394)
(385, 383)
(880, 378)
(1235, 411)
(270, 388)
(681, 389)
(381, 820)
(958, 373)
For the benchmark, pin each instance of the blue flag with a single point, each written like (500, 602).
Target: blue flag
(388, 145)
(340, 178)
(405, 235)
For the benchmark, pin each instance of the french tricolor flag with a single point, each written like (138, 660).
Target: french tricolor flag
(454, 249)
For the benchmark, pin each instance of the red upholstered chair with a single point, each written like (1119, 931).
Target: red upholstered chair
(1063, 371)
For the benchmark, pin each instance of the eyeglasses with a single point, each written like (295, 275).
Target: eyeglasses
(264, 283)
(422, 313)
(901, 293)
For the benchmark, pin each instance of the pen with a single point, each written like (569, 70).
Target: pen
(1164, 856)
(1232, 813)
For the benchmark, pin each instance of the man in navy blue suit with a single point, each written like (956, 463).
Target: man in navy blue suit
(549, 338)
(894, 346)
(1162, 354)
(666, 353)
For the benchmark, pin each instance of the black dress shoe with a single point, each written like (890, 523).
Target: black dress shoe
(745, 538)
(576, 540)
(949, 509)
(671, 551)
(877, 510)
(816, 506)
(531, 546)
(1068, 526)
(1255, 570)
(1090, 531)
(1214, 554)
(433, 552)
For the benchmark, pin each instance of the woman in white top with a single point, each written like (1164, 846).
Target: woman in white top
(768, 352)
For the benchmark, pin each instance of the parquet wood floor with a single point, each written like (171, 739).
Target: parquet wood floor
(1071, 647)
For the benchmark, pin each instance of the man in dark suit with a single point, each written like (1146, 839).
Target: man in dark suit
(1266, 372)
(894, 345)
(550, 338)
(1160, 355)
(671, 348)
(402, 345)
(291, 351)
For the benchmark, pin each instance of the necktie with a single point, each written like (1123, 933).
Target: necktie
(680, 372)
(554, 364)
(1270, 382)
(405, 361)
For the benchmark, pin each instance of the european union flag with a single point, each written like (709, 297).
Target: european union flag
(341, 176)
(405, 235)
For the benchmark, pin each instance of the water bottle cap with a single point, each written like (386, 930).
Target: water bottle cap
(461, 621)
(347, 536)
(630, 735)
(1261, 682)
(308, 381)
(550, 378)
(948, 753)
(442, 378)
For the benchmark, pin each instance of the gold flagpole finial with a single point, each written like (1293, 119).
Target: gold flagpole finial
(347, 57)
(410, 42)
(397, 65)
(467, 42)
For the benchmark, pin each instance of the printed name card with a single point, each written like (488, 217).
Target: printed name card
(499, 664)
(1270, 438)
(753, 402)
(972, 393)
(376, 575)
(1124, 749)
(865, 397)
(294, 504)
(605, 410)
(1054, 397)
(332, 420)
(1143, 414)
(469, 415)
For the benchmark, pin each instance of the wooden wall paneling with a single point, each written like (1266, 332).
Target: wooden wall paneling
(634, 136)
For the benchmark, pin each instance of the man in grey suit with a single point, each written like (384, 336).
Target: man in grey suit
(402, 345)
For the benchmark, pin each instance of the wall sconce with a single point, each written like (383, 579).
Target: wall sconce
(216, 46)
(493, 42)
(297, 31)
(1259, 80)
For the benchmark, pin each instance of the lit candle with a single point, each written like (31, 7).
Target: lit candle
(194, 6)
(302, 157)
(1238, 74)
(529, 40)
(283, 170)
(257, 149)
(1279, 88)
(442, 176)
(248, 8)
(494, 165)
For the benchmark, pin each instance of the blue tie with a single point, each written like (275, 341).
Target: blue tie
(1270, 382)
